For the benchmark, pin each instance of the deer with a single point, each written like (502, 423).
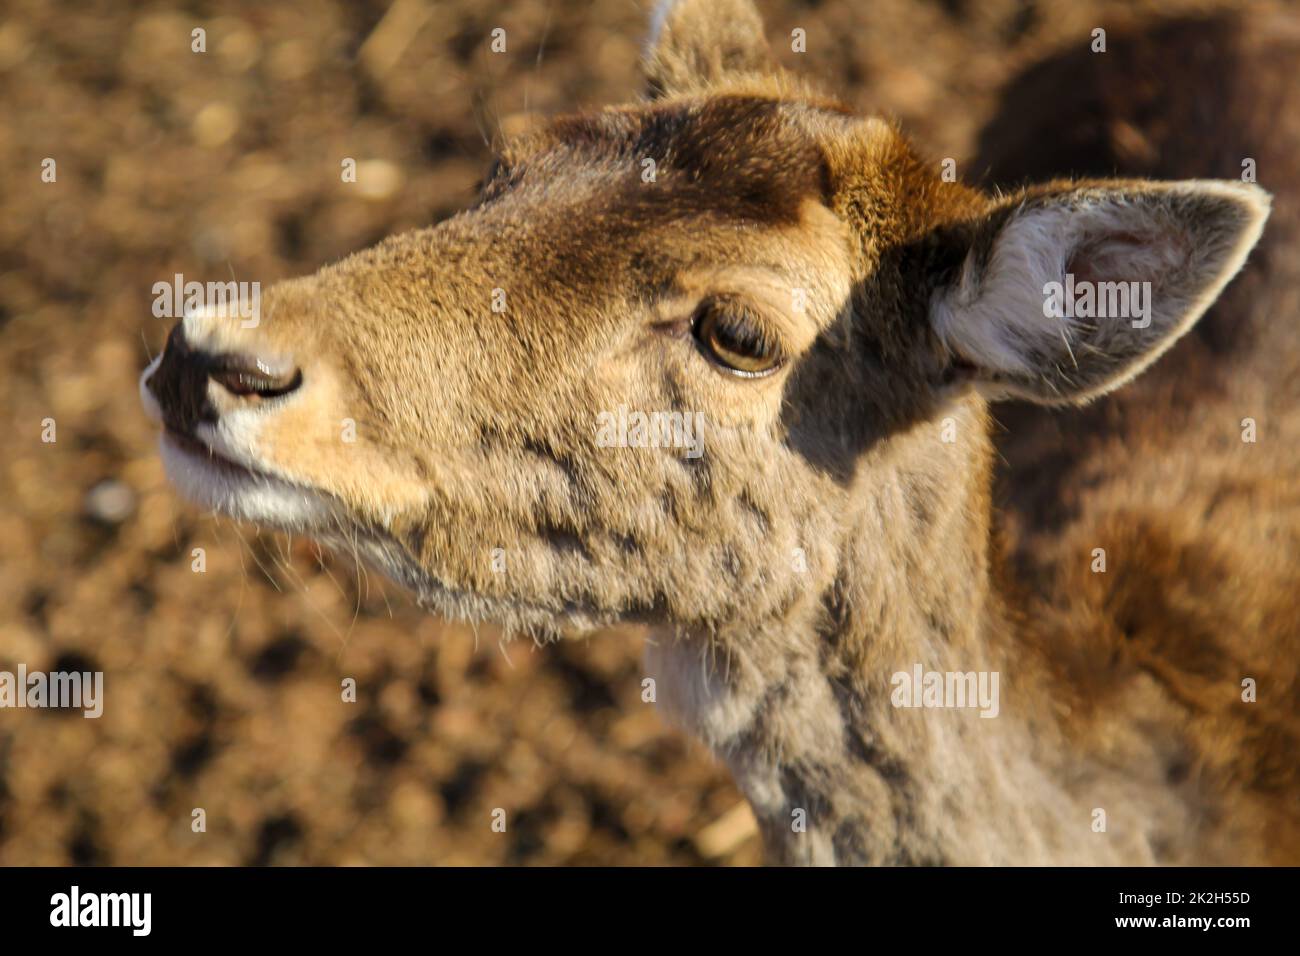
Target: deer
(827, 580)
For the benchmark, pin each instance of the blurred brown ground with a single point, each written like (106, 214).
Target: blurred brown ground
(222, 688)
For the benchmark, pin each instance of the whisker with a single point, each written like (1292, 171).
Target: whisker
(501, 646)
(243, 577)
(256, 560)
(541, 48)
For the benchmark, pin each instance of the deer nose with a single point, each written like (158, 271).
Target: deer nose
(176, 387)
(249, 376)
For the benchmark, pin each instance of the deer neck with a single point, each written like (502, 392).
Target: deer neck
(842, 757)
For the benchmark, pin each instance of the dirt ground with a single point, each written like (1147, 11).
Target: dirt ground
(222, 688)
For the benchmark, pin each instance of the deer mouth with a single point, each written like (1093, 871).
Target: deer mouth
(237, 488)
(209, 475)
(195, 448)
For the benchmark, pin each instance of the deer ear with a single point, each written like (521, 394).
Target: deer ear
(1066, 293)
(695, 44)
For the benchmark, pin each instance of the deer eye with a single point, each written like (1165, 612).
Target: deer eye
(734, 341)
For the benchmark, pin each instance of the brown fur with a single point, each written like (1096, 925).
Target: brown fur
(475, 445)
(1207, 528)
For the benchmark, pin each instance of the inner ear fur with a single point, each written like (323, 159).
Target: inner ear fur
(1152, 256)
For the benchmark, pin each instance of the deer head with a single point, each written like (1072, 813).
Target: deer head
(791, 275)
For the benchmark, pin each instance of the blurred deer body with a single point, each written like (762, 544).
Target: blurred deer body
(839, 317)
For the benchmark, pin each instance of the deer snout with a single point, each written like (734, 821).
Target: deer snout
(186, 385)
